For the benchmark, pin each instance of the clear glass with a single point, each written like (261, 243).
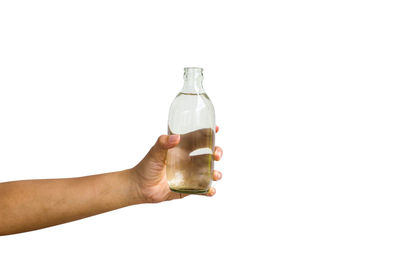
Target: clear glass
(190, 164)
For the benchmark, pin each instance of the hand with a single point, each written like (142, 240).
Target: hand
(150, 173)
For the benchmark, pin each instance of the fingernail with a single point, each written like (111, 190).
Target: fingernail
(173, 138)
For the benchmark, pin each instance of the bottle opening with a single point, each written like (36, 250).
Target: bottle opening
(187, 69)
(193, 73)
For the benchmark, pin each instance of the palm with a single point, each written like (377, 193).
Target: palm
(152, 177)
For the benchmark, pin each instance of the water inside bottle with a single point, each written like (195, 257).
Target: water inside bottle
(190, 164)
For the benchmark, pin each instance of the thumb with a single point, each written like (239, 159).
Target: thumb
(164, 142)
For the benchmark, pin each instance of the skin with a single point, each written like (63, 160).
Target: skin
(34, 204)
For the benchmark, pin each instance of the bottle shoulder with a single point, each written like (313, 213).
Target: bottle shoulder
(190, 112)
(192, 101)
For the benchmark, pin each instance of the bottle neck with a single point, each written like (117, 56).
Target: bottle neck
(193, 81)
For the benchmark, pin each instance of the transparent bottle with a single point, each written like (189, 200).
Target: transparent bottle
(190, 164)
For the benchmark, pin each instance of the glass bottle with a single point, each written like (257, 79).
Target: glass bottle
(190, 164)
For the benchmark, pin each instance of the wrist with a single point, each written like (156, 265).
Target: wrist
(135, 195)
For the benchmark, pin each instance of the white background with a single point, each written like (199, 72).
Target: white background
(305, 93)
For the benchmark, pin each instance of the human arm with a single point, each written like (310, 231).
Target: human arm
(33, 204)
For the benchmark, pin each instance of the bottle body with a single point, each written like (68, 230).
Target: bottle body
(190, 164)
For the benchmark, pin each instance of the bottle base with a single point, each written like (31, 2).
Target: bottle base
(189, 191)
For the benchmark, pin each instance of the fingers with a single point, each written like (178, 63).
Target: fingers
(167, 141)
(164, 142)
(173, 140)
(217, 153)
(216, 129)
(217, 175)
(211, 192)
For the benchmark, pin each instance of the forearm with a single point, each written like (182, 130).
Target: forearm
(34, 204)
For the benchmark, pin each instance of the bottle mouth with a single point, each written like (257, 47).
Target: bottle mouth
(193, 69)
(193, 73)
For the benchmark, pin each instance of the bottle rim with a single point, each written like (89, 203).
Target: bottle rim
(193, 68)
